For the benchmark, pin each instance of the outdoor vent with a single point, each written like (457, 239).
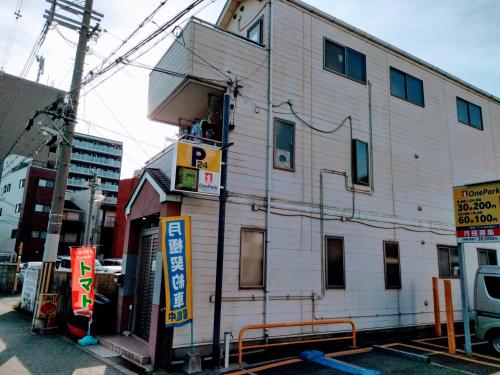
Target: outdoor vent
(282, 159)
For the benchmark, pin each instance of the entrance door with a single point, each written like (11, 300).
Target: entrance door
(145, 285)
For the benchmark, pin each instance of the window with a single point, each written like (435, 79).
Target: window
(254, 33)
(13, 233)
(335, 273)
(407, 87)
(71, 238)
(469, 114)
(448, 261)
(487, 257)
(360, 163)
(252, 259)
(284, 140)
(345, 61)
(6, 188)
(35, 234)
(21, 182)
(392, 265)
(42, 208)
(492, 284)
(46, 183)
(18, 207)
(1, 209)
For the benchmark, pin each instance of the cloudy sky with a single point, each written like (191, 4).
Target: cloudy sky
(459, 36)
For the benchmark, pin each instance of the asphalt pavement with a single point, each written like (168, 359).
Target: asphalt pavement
(22, 352)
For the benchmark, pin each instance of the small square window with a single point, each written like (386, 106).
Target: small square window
(13, 234)
(469, 114)
(284, 145)
(360, 163)
(487, 257)
(344, 61)
(35, 234)
(254, 33)
(448, 262)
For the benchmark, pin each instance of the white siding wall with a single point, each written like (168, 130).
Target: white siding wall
(449, 153)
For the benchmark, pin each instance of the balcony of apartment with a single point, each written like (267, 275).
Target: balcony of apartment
(90, 172)
(100, 148)
(99, 160)
(190, 79)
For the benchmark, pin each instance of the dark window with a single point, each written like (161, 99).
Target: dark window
(360, 162)
(42, 208)
(18, 207)
(252, 259)
(487, 257)
(469, 114)
(392, 266)
(448, 261)
(13, 233)
(6, 188)
(35, 234)
(492, 284)
(1, 209)
(344, 61)
(21, 183)
(407, 87)
(254, 33)
(284, 140)
(335, 274)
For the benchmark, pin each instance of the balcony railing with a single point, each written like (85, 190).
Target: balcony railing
(97, 147)
(95, 159)
(90, 172)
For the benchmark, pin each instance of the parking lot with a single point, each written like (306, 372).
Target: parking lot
(372, 357)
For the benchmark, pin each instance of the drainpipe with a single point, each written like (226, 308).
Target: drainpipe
(269, 166)
(370, 128)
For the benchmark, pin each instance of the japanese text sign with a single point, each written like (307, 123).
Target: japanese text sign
(82, 280)
(196, 168)
(477, 212)
(176, 250)
(47, 308)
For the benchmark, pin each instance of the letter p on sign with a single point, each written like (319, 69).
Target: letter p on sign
(197, 155)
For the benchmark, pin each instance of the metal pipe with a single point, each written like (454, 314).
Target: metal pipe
(465, 300)
(269, 166)
(370, 131)
(227, 342)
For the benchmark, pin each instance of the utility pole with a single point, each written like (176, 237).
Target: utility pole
(63, 160)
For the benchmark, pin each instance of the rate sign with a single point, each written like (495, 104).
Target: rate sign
(477, 212)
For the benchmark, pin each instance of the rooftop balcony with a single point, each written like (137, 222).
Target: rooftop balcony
(203, 54)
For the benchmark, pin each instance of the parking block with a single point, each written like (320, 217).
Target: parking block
(317, 356)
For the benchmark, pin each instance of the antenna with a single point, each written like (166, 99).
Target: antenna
(41, 65)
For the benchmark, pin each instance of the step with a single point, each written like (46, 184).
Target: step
(128, 347)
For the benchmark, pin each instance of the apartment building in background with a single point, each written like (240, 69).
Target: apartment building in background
(357, 154)
(94, 154)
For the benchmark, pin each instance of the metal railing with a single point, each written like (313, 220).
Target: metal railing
(293, 324)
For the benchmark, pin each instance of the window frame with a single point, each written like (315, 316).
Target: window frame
(354, 162)
(22, 181)
(327, 285)
(468, 123)
(325, 40)
(18, 208)
(13, 234)
(260, 23)
(406, 75)
(448, 247)
(47, 182)
(480, 249)
(275, 166)
(252, 229)
(400, 286)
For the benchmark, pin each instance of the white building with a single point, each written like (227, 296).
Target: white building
(11, 198)
(364, 144)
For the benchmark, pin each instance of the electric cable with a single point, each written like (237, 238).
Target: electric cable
(241, 28)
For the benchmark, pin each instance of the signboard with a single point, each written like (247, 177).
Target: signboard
(196, 168)
(176, 250)
(47, 308)
(82, 280)
(477, 212)
(28, 293)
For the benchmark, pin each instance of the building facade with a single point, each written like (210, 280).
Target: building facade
(339, 189)
(93, 154)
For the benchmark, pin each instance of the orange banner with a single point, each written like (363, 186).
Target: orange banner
(82, 280)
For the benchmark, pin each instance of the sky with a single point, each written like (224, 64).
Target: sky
(461, 37)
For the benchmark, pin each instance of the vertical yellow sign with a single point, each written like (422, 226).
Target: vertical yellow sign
(176, 251)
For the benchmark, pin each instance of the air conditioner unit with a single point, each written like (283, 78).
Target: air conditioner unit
(282, 159)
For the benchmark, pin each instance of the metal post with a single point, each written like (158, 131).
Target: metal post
(465, 300)
(63, 160)
(92, 185)
(220, 234)
(227, 343)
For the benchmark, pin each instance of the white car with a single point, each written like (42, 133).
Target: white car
(25, 266)
(113, 265)
(65, 265)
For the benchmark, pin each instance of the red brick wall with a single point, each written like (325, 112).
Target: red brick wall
(125, 190)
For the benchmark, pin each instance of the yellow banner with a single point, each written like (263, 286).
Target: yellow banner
(477, 206)
(176, 251)
(198, 156)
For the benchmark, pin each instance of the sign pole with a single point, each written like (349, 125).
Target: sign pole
(465, 300)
